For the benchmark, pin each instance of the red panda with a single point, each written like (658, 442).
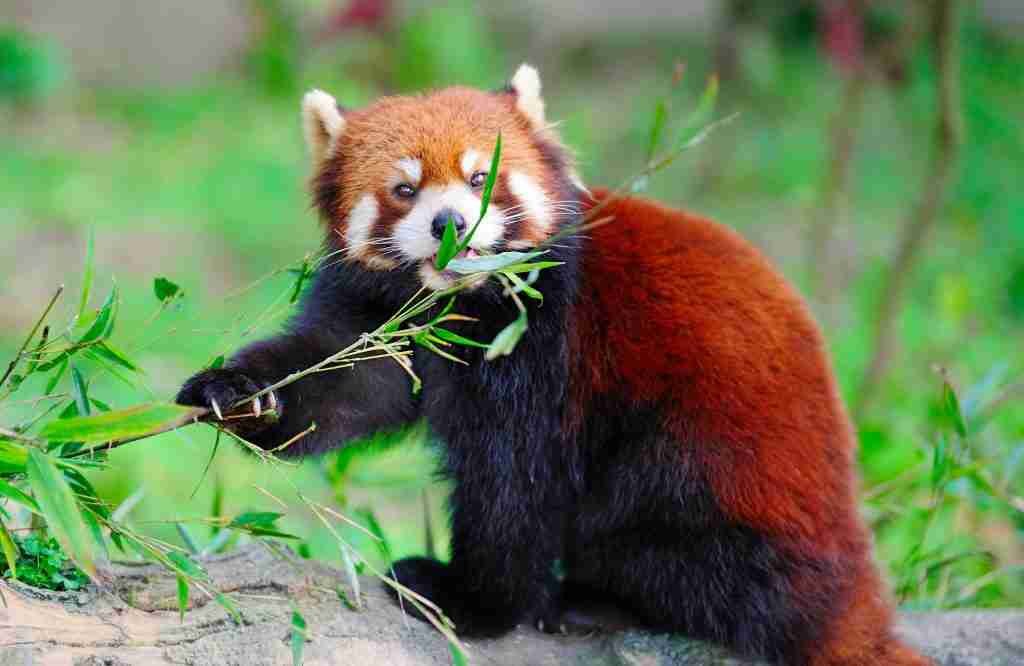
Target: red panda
(668, 429)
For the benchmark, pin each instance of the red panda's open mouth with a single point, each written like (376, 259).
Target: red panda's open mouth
(468, 253)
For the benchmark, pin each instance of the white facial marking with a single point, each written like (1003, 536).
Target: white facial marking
(532, 198)
(359, 224)
(412, 168)
(470, 159)
(412, 234)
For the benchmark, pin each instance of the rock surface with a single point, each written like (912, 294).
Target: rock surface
(136, 622)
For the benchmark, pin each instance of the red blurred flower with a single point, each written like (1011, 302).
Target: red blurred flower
(842, 34)
(365, 14)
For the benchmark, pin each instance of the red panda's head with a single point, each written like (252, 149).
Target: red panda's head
(388, 177)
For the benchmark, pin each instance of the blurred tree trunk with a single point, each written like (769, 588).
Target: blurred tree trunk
(944, 31)
(843, 41)
(715, 158)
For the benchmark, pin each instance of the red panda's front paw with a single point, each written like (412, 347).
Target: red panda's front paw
(435, 581)
(549, 620)
(224, 392)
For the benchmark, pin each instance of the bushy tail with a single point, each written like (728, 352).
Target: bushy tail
(861, 634)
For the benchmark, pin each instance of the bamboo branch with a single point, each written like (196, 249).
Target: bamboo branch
(31, 334)
(195, 415)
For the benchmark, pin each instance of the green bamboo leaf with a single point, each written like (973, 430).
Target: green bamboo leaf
(343, 598)
(505, 342)
(424, 341)
(458, 655)
(165, 290)
(952, 407)
(264, 519)
(13, 457)
(701, 115)
(103, 325)
(657, 128)
(229, 605)
(117, 540)
(184, 565)
(940, 463)
(349, 566)
(79, 392)
(52, 382)
(217, 502)
(531, 266)
(87, 273)
(275, 534)
(492, 177)
(63, 516)
(15, 494)
(381, 542)
(521, 286)
(298, 636)
(128, 423)
(85, 491)
(186, 538)
(444, 311)
(485, 195)
(96, 532)
(10, 550)
(182, 596)
(120, 513)
(449, 246)
(104, 350)
(302, 275)
(490, 262)
(455, 338)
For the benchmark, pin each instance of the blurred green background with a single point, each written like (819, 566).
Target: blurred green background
(172, 133)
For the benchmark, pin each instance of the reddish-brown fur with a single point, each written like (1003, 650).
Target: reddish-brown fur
(677, 310)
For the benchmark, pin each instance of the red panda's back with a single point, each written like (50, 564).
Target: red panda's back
(678, 311)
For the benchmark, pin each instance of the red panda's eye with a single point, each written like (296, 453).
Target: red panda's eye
(405, 191)
(478, 179)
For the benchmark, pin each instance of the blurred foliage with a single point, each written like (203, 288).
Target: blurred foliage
(42, 563)
(30, 68)
(203, 184)
(446, 45)
(273, 61)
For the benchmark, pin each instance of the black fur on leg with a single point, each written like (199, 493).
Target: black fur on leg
(729, 585)
(649, 535)
(435, 581)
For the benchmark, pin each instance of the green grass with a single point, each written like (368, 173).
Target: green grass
(42, 563)
(205, 185)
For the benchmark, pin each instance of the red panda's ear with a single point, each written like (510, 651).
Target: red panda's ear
(525, 85)
(322, 123)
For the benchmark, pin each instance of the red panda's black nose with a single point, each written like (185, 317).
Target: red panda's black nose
(441, 221)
